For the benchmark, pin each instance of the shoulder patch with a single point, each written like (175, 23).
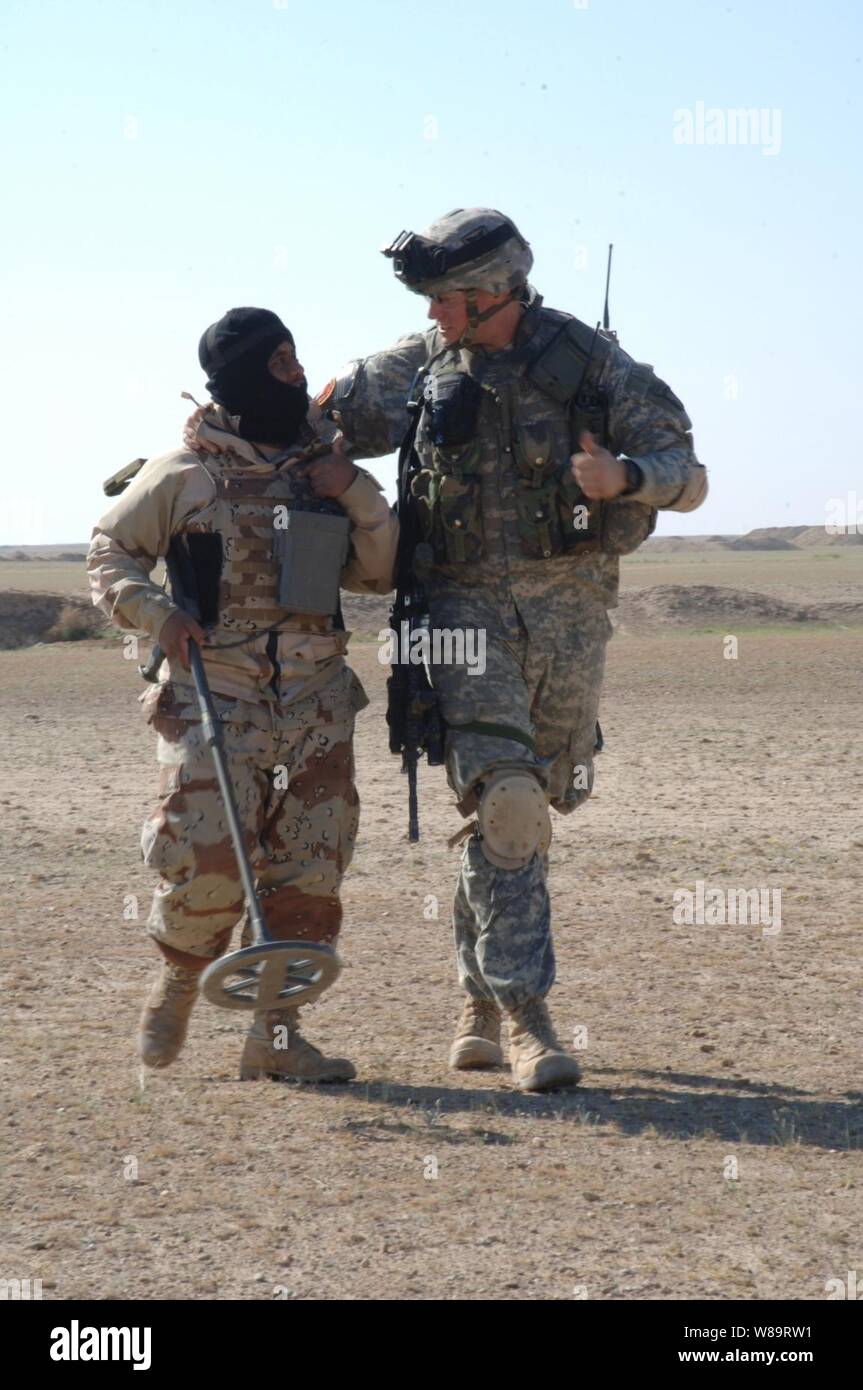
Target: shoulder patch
(323, 396)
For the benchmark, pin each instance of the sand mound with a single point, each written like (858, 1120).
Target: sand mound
(760, 543)
(26, 618)
(74, 550)
(663, 606)
(706, 605)
(771, 533)
(675, 545)
(759, 538)
(817, 536)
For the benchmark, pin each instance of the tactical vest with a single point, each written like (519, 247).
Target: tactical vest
(506, 424)
(239, 548)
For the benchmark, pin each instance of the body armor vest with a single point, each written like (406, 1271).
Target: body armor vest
(494, 439)
(237, 546)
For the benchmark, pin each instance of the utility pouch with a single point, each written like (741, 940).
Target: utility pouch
(452, 407)
(311, 551)
(538, 520)
(580, 519)
(424, 491)
(625, 525)
(537, 452)
(458, 515)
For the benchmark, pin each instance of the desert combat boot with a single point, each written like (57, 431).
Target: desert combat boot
(275, 1047)
(166, 1014)
(477, 1036)
(538, 1061)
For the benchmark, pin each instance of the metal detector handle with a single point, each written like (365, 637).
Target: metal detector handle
(212, 726)
(150, 669)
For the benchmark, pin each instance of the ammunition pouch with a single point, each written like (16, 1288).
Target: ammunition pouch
(539, 520)
(450, 516)
(536, 453)
(581, 520)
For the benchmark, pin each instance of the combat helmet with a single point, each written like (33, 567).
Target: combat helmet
(469, 249)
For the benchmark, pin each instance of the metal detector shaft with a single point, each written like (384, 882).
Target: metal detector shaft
(212, 726)
(267, 974)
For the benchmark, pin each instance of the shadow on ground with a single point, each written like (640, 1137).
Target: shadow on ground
(709, 1107)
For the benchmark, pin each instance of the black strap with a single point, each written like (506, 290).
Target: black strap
(478, 244)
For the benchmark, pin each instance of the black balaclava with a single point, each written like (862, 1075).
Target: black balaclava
(234, 353)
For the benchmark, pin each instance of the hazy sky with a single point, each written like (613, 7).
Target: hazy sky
(165, 161)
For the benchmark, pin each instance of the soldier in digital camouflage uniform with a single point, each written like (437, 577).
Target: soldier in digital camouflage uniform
(545, 452)
(285, 696)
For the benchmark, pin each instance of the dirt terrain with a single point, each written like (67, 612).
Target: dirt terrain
(714, 1148)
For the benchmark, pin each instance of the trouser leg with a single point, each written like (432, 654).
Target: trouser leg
(199, 897)
(311, 818)
(502, 923)
(307, 838)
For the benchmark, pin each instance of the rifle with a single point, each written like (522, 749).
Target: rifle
(413, 716)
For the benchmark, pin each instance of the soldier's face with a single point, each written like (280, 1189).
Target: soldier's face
(284, 366)
(449, 312)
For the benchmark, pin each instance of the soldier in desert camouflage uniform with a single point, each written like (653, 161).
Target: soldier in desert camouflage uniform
(286, 699)
(545, 452)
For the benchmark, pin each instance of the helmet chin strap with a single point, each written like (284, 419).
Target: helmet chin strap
(475, 318)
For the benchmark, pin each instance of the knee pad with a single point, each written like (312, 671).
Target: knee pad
(513, 819)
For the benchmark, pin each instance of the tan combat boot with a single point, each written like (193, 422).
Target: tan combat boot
(538, 1061)
(477, 1037)
(166, 1013)
(275, 1047)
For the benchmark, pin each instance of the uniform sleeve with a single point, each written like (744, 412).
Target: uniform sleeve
(649, 424)
(129, 539)
(374, 537)
(369, 399)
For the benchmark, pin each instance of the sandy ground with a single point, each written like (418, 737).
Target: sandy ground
(714, 1148)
